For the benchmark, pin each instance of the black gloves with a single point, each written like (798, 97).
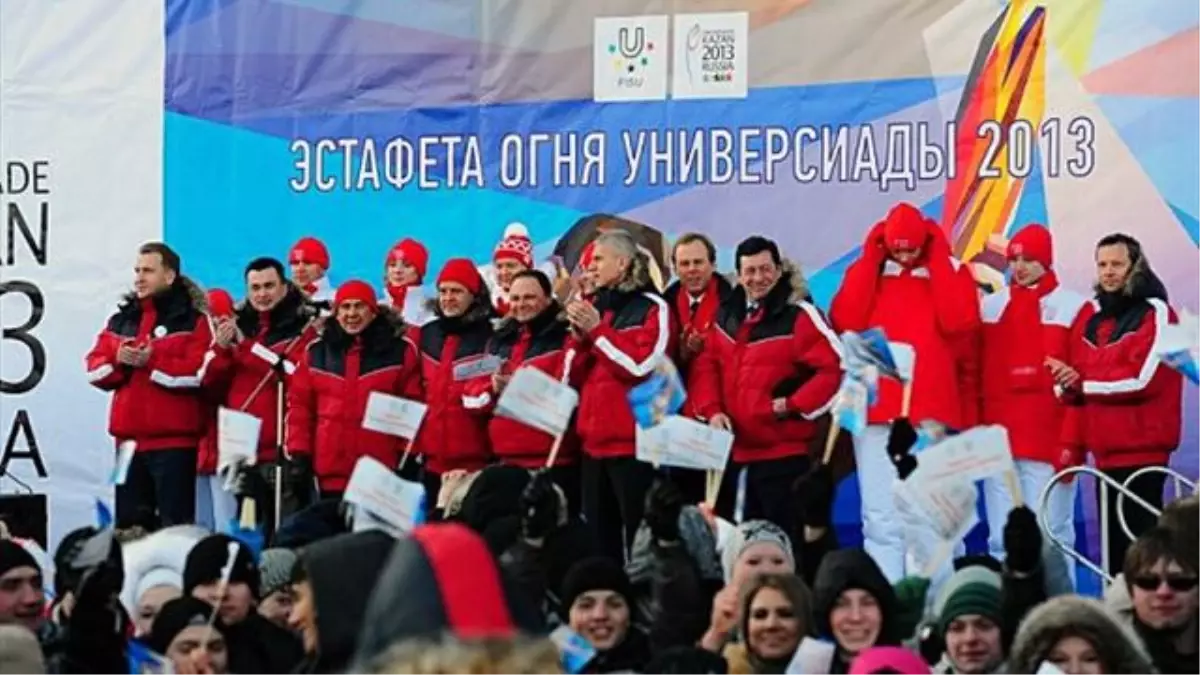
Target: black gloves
(1022, 540)
(298, 474)
(539, 506)
(901, 439)
(248, 482)
(664, 503)
(814, 492)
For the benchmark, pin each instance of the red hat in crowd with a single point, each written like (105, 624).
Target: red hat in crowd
(905, 228)
(310, 250)
(356, 289)
(1033, 242)
(462, 272)
(220, 303)
(516, 245)
(412, 252)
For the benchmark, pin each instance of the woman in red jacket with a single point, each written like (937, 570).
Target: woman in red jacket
(1024, 325)
(908, 284)
(1126, 404)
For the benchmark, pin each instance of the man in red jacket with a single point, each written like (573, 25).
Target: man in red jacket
(214, 504)
(1025, 327)
(626, 328)
(908, 284)
(152, 356)
(769, 368)
(358, 353)
(1125, 403)
(253, 349)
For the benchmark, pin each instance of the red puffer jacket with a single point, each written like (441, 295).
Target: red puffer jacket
(635, 332)
(933, 307)
(545, 344)
(784, 349)
(328, 398)
(1129, 406)
(159, 405)
(451, 436)
(235, 373)
(1021, 328)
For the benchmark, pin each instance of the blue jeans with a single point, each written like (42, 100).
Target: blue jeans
(159, 490)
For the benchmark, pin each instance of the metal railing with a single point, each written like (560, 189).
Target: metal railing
(1180, 482)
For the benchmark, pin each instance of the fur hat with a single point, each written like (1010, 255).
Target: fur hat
(1120, 651)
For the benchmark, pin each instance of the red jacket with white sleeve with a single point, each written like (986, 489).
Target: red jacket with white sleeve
(158, 406)
(635, 332)
(1021, 328)
(328, 393)
(783, 348)
(545, 344)
(1128, 404)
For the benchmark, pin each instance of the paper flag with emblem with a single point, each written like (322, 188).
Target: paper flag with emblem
(1179, 346)
(659, 397)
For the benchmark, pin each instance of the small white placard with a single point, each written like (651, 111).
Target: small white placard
(477, 368)
(383, 495)
(237, 438)
(263, 352)
(534, 398)
(393, 415)
(812, 657)
(949, 506)
(685, 443)
(975, 454)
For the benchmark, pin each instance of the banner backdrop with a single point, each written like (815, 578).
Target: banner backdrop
(361, 122)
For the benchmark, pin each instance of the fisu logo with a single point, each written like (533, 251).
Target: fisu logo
(631, 55)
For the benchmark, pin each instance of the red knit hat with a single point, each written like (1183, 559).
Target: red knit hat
(310, 250)
(356, 289)
(220, 303)
(905, 228)
(1033, 242)
(516, 245)
(461, 271)
(412, 252)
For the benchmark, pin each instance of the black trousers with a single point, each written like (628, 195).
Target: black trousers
(768, 490)
(1150, 488)
(614, 499)
(293, 497)
(159, 489)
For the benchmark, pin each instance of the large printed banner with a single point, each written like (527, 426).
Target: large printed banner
(362, 122)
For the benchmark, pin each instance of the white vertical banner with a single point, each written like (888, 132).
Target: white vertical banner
(81, 144)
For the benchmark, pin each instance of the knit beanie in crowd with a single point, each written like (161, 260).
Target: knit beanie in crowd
(905, 228)
(748, 534)
(413, 253)
(971, 590)
(14, 555)
(1033, 242)
(176, 615)
(275, 570)
(209, 555)
(516, 245)
(462, 272)
(310, 250)
(594, 574)
(356, 289)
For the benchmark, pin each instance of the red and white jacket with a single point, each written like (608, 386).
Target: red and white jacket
(1021, 328)
(934, 307)
(781, 349)
(1128, 404)
(158, 406)
(544, 343)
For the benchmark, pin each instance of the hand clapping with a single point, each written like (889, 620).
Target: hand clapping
(583, 315)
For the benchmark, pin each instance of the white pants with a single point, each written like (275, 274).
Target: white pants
(900, 542)
(214, 506)
(1060, 507)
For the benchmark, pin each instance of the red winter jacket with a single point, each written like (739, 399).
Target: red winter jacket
(1129, 407)
(784, 349)
(159, 405)
(452, 437)
(635, 332)
(328, 393)
(934, 308)
(700, 321)
(1021, 328)
(235, 373)
(545, 344)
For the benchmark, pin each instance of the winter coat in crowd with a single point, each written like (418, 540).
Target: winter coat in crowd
(695, 317)
(781, 349)
(156, 405)
(1128, 404)
(1118, 649)
(545, 344)
(932, 306)
(853, 569)
(234, 373)
(452, 437)
(329, 392)
(1171, 651)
